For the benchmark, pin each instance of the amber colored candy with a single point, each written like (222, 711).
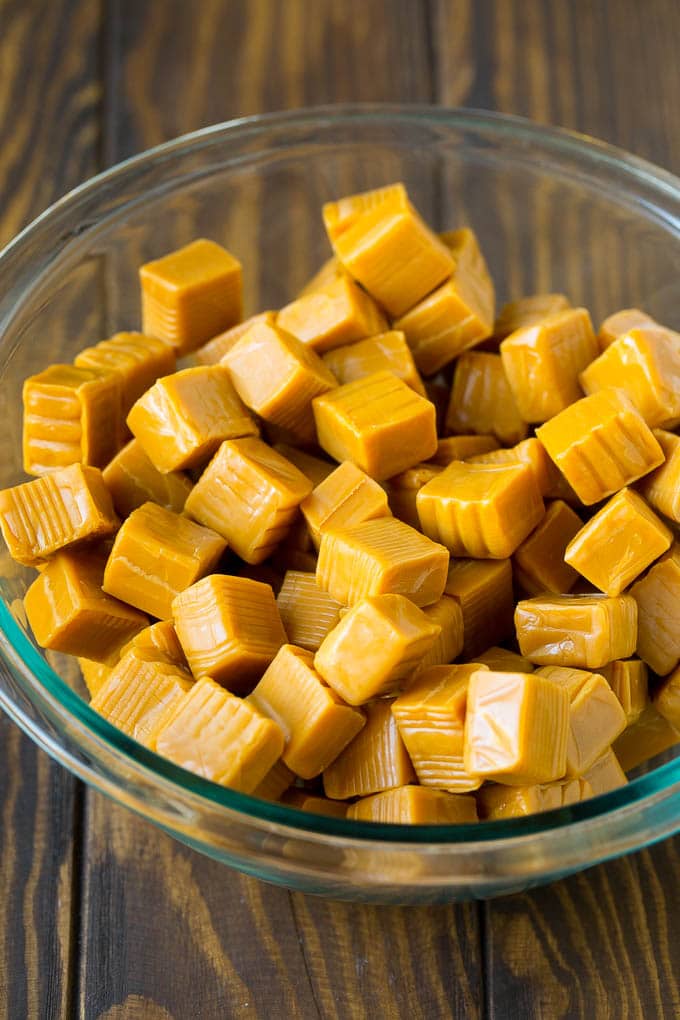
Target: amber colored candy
(448, 615)
(483, 589)
(501, 660)
(481, 399)
(221, 737)
(308, 614)
(71, 415)
(621, 322)
(462, 448)
(584, 631)
(652, 734)
(250, 494)
(340, 215)
(414, 805)
(480, 510)
(393, 254)
(527, 311)
(657, 595)
(315, 468)
(431, 721)
(456, 315)
(156, 555)
(55, 511)
(667, 698)
(95, 674)
(215, 349)
(317, 724)
(516, 728)
(333, 314)
(538, 562)
(347, 496)
(132, 480)
(618, 543)
(496, 801)
(303, 801)
(646, 364)
(661, 487)
(328, 272)
(403, 489)
(596, 717)
(384, 556)
(375, 760)
(158, 637)
(191, 294)
(605, 774)
(600, 443)
(529, 452)
(542, 362)
(378, 423)
(628, 679)
(385, 352)
(275, 783)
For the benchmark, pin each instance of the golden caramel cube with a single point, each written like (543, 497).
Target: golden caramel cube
(646, 364)
(220, 737)
(250, 494)
(378, 423)
(71, 415)
(480, 510)
(414, 805)
(340, 215)
(483, 589)
(158, 637)
(50, 513)
(495, 801)
(308, 614)
(657, 595)
(622, 322)
(275, 783)
(585, 631)
(667, 698)
(347, 496)
(380, 557)
(528, 311)
(277, 376)
(448, 615)
(377, 645)
(229, 629)
(462, 448)
(95, 674)
(375, 760)
(539, 561)
(333, 314)
(542, 363)
(317, 724)
(385, 352)
(516, 728)
(191, 294)
(156, 555)
(628, 678)
(481, 399)
(403, 489)
(394, 255)
(605, 775)
(69, 612)
(215, 349)
(600, 444)
(132, 480)
(501, 660)
(313, 467)
(529, 452)
(618, 543)
(651, 735)
(431, 721)
(661, 487)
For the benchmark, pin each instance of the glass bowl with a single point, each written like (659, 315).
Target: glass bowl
(554, 211)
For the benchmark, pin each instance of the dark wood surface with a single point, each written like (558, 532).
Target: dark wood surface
(102, 915)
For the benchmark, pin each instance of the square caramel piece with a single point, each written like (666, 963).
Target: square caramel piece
(229, 629)
(376, 759)
(618, 543)
(414, 805)
(308, 614)
(481, 400)
(182, 419)
(339, 215)
(215, 349)
(381, 557)
(385, 352)
(657, 595)
(402, 491)
(250, 494)
(133, 480)
(529, 452)
(347, 496)
(600, 444)
(629, 680)
(618, 323)
(527, 311)
(538, 563)
(651, 735)
(156, 555)
(585, 631)
(333, 314)
(502, 660)
(496, 801)
(483, 590)
(447, 614)
(605, 775)
(191, 294)
(516, 728)
(667, 698)
(661, 488)
(378, 423)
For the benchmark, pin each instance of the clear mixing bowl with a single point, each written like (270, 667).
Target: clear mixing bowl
(554, 211)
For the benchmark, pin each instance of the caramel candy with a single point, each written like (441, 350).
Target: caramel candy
(333, 314)
(618, 543)
(313, 467)
(661, 487)
(159, 637)
(600, 444)
(462, 448)
(386, 352)
(340, 215)
(375, 647)
(482, 401)
(495, 801)
(539, 561)
(50, 513)
(431, 721)
(220, 737)
(651, 735)
(529, 452)
(156, 555)
(657, 595)
(301, 800)
(542, 362)
(403, 489)
(516, 728)
(95, 674)
(137, 360)
(345, 497)
(596, 717)
(622, 322)
(308, 614)
(191, 294)
(69, 612)
(585, 631)
(182, 419)
(628, 680)
(378, 423)
(414, 805)
(132, 480)
(250, 494)
(528, 311)
(501, 660)
(646, 364)
(484, 592)
(317, 724)
(375, 760)
(329, 271)
(71, 415)
(480, 510)
(229, 629)
(448, 615)
(605, 775)
(456, 315)
(275, 783)
(667, 698)
(215, 349)
(379, 557)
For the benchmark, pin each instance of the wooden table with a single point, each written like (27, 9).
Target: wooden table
(101, 915)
